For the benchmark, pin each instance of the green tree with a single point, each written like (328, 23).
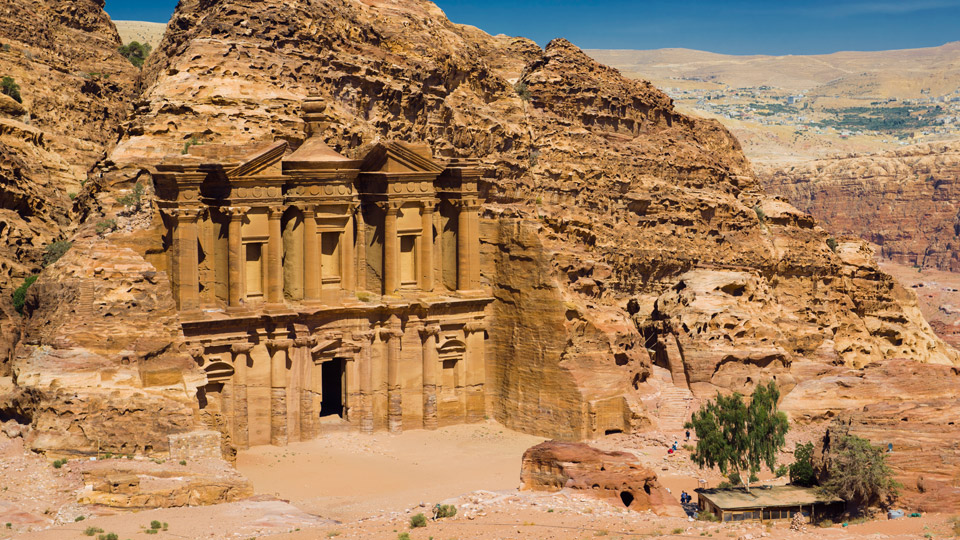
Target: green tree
(737, 438)
(10, 87)
(858, 473)
(801, 470)
(136, 52)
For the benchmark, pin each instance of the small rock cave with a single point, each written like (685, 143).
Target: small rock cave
(627, 498)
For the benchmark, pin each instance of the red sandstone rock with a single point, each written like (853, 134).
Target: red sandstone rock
(616, 477)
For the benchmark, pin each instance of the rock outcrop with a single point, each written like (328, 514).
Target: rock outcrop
(75, 90)
(617, 477)
(895, 403)
(905, 200)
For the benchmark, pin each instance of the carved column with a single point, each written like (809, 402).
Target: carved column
(392, 336)
(235, 286)
(361, 251)
(426, 247)
(275, 258)
(348, 276)
(476, 370)
(366, 379)
(428, 335)
(241, 355)
(463, 246)
(391, 251)
(188, 282)
(279, 349)
(308, 424)
(474, 244)
(311, 255)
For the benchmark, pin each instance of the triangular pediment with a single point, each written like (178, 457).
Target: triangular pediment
(265, 162)
(399, 158)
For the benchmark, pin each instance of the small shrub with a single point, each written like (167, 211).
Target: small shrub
(5, 47)
(108, 455)
(151, 531)
(446, 510)
(135, 52)
(832, 244)
(134, 198)
(90, 531)
(417, 521)
(108, 536)
(523, 91)
(192, 142)
(106, 225)
(54, 251)
(79, 518)
(761, 215)
(602, 532)
(707, 516)
(155, 524)
(678, 530)
(9, 525)
(59, 463)
(403, 536)
(10, 87)
(333, 534)
(782, 471)
(72, 195)
(183, 462)
(20, 295)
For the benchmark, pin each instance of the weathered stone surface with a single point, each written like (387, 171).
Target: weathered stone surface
(904, 200)
(617, 477)
(910, 405)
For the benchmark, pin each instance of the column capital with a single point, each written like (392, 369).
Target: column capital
(474, 326)
(241, 348)
(275, 212)
(305, 341)
(280, 344)
(309, 210)
(188, 214)
(429, 207)
(235, 212)
(470, 205)
(429, 330)
(365, 336)
(390, 207)
(390, 333)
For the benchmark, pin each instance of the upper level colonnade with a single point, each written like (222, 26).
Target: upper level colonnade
(274, 229)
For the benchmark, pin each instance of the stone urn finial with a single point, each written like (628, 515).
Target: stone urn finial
(314, 115)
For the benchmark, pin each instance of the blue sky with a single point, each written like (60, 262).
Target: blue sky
(724, 26)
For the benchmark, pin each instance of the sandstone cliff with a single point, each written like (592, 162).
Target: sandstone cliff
(620, 238)
(75, 88)
(905, 200)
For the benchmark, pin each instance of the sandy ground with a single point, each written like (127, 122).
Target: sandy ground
(349, 476)
(369, 486)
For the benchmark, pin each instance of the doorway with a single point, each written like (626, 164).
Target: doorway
(332, 377)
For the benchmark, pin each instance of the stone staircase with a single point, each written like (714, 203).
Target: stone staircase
(676, 406)
(677, 403)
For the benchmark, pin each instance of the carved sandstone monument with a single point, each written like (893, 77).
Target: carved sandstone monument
(269, 254)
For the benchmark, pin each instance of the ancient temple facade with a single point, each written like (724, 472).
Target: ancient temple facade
(320, 293)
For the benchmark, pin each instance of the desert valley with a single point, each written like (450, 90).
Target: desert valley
(345, 268)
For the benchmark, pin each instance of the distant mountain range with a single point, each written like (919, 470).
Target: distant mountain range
(908, 73)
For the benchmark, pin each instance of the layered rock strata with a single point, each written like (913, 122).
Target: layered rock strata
(904, 201)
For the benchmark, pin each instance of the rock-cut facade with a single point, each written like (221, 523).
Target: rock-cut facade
(318, 292)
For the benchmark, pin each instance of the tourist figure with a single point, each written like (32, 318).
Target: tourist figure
(688, 435)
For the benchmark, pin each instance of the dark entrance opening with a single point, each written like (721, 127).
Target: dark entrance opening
(627, 498)
(331, 373)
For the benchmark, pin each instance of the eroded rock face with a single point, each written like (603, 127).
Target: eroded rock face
(907, 404)
(616, 477)
(905, 200)
(75, 88)
(99, 367)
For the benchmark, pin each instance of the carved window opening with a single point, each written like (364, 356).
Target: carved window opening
(451, 356)
(408, 260)
(330, 257)
(253, 268)
(449, 379)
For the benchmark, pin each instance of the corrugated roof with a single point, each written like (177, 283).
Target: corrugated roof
(764, 497)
